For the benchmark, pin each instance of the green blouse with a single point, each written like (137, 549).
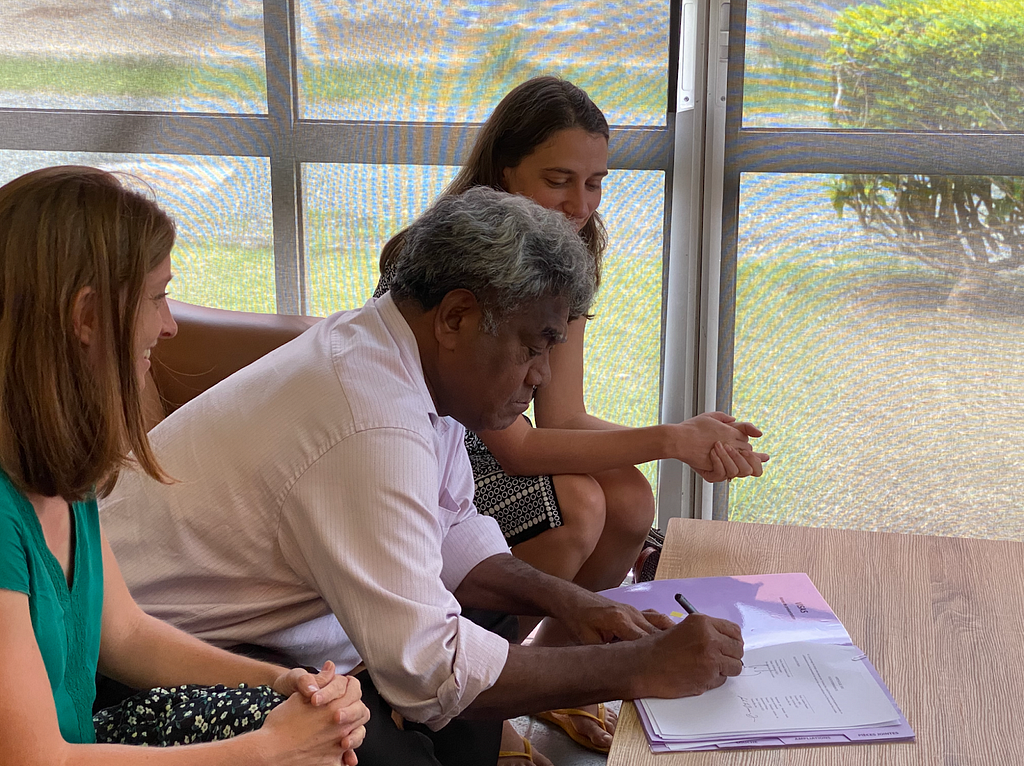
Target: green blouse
(66, 621)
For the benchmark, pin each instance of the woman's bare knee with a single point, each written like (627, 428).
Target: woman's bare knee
(582, 503)
(629, 502)
(562, 550)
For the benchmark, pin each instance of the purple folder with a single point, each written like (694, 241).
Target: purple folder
(770, 609)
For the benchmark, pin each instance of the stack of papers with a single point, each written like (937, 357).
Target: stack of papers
(803, 680)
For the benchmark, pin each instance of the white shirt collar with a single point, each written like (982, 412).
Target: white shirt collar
(409, 351)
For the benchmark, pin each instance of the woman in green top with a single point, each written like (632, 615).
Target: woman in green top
(84, 267)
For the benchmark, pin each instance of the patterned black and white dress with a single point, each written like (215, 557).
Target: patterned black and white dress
(523, 506)
(184, 715)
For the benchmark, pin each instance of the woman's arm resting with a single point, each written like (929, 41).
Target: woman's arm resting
(28, 718)
(525, 451)
(144, 652)
(570, 440)
(295, 733)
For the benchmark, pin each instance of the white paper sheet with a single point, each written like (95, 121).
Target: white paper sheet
(797, 686)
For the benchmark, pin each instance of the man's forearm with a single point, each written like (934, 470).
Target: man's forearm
(546, 678)
(684, 660)
(503, 583)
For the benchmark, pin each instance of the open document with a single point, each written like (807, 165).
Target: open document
(803, 681)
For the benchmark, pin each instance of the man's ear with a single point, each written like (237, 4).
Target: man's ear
(84, 316)
(456, 312)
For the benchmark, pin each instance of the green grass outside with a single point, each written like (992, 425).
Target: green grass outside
(212, 273)
(786, 80)
(623, 345)
(139, 78)
(637, 90)
(342, 253)
(778, 98)
(882, 409)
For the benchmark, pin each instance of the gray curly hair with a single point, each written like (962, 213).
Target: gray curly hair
(505, 249)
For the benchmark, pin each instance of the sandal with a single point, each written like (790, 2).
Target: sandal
(647, 562)
(526, 753)
(563, 719)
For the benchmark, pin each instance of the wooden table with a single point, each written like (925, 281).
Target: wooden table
(941, 618)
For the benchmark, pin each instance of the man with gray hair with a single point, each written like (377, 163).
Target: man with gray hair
(323, 502)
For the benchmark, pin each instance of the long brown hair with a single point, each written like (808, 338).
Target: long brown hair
(525, 118)
(69, 415)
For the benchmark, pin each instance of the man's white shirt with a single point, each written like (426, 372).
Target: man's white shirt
(318, 488)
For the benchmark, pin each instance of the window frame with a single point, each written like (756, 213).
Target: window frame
(815, 150)
(287, 141)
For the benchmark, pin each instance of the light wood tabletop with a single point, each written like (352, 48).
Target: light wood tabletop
(942, 619)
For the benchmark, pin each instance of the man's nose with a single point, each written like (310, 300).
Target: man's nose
(539, 373)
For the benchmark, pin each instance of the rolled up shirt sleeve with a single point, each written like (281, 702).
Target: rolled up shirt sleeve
(365, 524)
(467, 544)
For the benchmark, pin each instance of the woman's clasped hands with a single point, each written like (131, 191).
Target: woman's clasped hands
(717, 446)
(322, 721)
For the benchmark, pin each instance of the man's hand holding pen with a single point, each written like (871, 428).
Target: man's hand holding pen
(680, 660)
(698, 654)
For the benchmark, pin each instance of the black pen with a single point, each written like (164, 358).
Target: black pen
(686, 605)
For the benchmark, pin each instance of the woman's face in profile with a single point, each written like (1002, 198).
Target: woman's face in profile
(564, 173)
(153, 320)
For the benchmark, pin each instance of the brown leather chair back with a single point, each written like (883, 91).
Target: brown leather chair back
(211, 344)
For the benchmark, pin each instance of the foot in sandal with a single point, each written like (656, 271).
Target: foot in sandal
(516, 749)
(591, 726)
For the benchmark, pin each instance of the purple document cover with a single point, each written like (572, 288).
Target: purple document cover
(770, 609)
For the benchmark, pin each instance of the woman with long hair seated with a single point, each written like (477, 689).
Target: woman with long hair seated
(567, 494)
(84, 268)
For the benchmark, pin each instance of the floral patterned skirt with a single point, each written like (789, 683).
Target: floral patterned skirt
(182, 715)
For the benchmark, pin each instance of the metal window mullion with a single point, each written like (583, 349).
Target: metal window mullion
(279, 30)
(723, 375)
(425, 143)
(674, 491)
(842, 151)
(678, 487)
(675, 50)
(65, 130)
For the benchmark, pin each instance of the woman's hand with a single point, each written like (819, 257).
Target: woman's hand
(319, 689)
(298, 734)
(729, 463)
(717, 447)
(326, 688)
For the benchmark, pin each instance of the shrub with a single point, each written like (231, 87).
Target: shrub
(936, 65)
